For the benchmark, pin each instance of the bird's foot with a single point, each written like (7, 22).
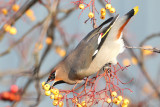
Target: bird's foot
(107, 67)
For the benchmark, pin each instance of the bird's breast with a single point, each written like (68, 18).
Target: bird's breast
(107, 54)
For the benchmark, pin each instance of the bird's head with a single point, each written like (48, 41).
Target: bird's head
(54, 76)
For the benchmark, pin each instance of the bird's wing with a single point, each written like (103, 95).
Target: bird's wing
(96, 30)
(84, 53)
(104, 32)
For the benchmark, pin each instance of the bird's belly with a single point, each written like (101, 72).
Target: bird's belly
(107, 54)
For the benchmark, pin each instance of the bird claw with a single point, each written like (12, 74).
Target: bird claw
(107, 66)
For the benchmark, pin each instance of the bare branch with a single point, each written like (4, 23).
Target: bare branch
(16, 16)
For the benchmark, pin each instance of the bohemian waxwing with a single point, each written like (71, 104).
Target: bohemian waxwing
(98, 48)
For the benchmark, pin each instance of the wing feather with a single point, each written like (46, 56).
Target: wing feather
(83, 54)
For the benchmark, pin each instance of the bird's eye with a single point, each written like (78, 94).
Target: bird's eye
(51, 76)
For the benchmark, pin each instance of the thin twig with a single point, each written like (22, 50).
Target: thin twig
(16, 16)
(141, 62)
(143, 48)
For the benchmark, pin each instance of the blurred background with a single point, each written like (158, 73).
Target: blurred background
(44, 31)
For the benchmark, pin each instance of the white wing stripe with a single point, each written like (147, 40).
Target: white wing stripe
(95, 52)
(99, 39)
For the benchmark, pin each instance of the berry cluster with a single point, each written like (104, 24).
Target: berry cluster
(90, 15)
(88, 93)
(30, 14)
(118, 99)
(15, 8)
(82, 104)
(110, 8)
(53, 93)
(10, 29)
(103, 10)
(11, 95)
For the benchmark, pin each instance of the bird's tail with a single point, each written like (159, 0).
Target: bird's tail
(116, 27)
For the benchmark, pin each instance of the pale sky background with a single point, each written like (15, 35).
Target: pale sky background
(145, 23)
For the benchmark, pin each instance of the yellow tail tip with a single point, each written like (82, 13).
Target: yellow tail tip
(136, 9)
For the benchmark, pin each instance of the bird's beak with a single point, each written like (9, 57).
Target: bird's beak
(54, 82)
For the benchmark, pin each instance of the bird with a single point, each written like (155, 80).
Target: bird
(100, 46)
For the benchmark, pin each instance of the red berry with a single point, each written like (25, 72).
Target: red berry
(14, 89)
(12, 97)
(17, 98)
(5, 95)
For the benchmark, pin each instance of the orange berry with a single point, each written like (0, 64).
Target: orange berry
(39, 46)
(46, 87)
(7, 27)
(74, 100)
(52, 89)
(124, 105)
(78, 105)
(60, 51)
(126, 62)
(32, 18)
(56, 97)
(134, 60)
(102, 17)
(60, 96)
(108, 6)
(55, 91)
(43, 83)
(119, 98)
(49, 40)
(47, 93)
(12, 97)
(12, 30)
(147, 52)
(116, 101)
(17, 97)
(103, 10)
(114, 94)
(29, 12)
(60, 104)
(81, 6)
(126, 101)
(103, 14)
(108, 100)
(15, 7)
(51, 96)
(55, 102)
(83, 103)
(4, 11)
(5, 95)
(90, 15)
(112, 10)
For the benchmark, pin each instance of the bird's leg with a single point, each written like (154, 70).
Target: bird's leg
(107, 66)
